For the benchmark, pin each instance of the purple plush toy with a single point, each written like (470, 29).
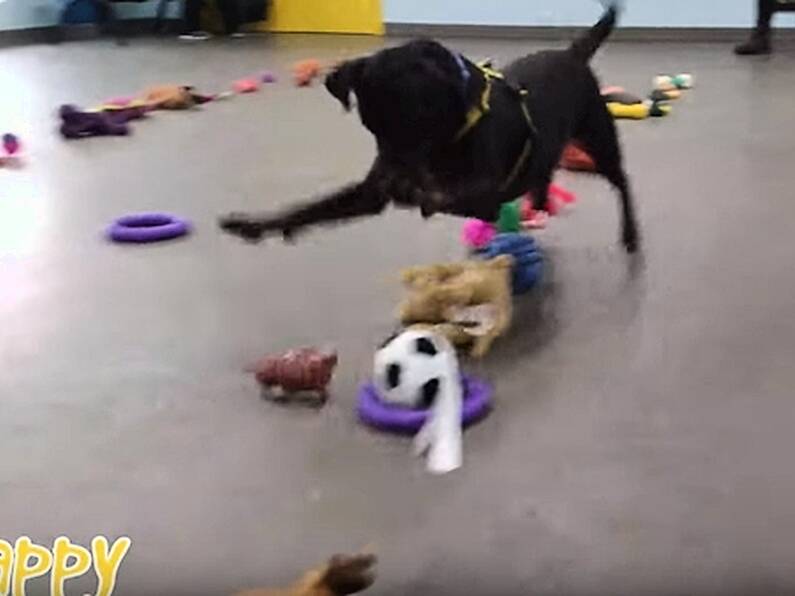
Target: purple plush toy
(10, 144)
(77, 124)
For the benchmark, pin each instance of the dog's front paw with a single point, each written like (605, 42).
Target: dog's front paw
(434, 202)
(245, 226)
(288, 234)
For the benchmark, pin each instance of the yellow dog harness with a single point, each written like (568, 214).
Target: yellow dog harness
(483, 106)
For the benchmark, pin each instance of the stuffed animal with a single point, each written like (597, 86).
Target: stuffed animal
(11, 144)
(468, 302)
(340, 576)
(477, 233)
(306, 71)
(639, 111)
(246, 86)
(305, 370)
(173, 97)
(10, 154)
(671, 82)
(418, 369)
(77, 124)
(576, 158)
(557, 198)
(509, 218)
(515, 216)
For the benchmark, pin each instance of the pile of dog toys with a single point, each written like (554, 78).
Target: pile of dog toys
(113, 117)
(665, 88)
(516, 216)
(417, 386)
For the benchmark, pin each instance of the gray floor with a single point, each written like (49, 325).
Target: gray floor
(641, 442)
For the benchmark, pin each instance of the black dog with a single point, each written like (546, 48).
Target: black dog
(459, 138)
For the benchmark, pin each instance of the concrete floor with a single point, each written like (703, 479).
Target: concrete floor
(641, 442)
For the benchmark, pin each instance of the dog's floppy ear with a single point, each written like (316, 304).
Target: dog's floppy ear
(344, 79)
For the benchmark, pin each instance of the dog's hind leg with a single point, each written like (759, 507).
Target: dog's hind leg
(630, 236)
(598, 134)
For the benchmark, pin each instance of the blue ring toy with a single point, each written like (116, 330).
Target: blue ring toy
(528, 258)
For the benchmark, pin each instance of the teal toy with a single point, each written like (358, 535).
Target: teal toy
(679, 81)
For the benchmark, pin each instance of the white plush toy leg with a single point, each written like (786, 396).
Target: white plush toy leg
(441, 436)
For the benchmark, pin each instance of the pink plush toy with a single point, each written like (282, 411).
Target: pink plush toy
(246, 86)
(564, 196)
(532, 219)
(477, 233)
(557, 198)
(120, 102)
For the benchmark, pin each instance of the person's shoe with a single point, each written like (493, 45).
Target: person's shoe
(758, 44)
(195, 36)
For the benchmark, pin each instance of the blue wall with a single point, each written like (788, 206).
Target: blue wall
(19, 14)
(639, 13)
(22, 14)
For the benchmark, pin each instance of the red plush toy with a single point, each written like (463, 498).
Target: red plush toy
(304, 370)
(557, 198)
(575, 158)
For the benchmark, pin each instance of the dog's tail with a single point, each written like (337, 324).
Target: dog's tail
(585, 46)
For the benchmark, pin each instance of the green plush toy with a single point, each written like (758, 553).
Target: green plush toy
(510, 218)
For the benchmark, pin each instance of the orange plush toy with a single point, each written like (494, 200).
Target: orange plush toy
(172, 97)
(340, 576)
(306, 71)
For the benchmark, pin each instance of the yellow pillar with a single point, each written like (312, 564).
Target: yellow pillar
(326, 16)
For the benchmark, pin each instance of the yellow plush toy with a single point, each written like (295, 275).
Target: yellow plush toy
(469, 302)
(638, 111)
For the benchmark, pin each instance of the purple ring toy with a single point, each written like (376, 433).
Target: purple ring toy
(382, 415)
(147, 227)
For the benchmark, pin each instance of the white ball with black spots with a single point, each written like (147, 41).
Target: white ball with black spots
(411, 367)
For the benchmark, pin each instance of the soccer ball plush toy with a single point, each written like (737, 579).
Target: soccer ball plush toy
(409, 369)
(419, 369)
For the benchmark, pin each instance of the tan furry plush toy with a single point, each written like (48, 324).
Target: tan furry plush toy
(169, 97)
(340, 576)
(469, 302)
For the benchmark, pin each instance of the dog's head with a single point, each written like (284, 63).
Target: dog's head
(410, 97)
